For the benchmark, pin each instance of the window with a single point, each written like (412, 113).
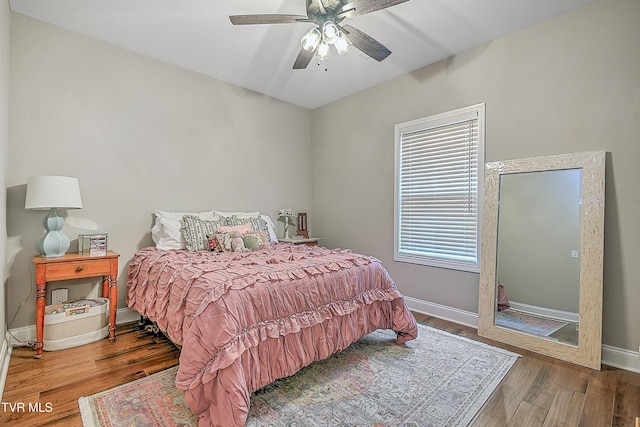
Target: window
(439, 163)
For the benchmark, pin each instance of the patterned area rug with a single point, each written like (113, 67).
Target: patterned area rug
(438, 379)
(524, 322)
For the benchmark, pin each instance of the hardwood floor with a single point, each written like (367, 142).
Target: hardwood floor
(542, 391)
(61, 377)
(538, 391)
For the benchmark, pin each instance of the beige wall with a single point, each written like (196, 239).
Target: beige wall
(569, 84)
(140, 135)
(4, 143)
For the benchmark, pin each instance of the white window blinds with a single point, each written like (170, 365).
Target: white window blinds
(438, 189)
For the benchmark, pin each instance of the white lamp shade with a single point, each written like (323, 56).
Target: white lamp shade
(330, 32)
(310, 40)
(323, 50)
(45, 192)
(342, 44)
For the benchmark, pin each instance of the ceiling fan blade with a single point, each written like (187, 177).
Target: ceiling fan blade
(267, 19)
(366, 43)
(362, 7)
(321, 7)
(303, 59)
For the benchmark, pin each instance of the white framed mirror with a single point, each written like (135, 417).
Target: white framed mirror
(542, 255)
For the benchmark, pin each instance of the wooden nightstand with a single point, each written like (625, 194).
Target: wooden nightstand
(76, 266)
(309, 241)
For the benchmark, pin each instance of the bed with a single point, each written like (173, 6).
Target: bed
(244, 319)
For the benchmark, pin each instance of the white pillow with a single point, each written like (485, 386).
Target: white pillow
(167, 229)
(272, 227)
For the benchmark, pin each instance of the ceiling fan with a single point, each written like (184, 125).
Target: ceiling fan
(327, 15)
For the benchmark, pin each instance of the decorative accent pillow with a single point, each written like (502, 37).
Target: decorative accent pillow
(215, 245)
(195, 231)
(242, 228)
(256, 240)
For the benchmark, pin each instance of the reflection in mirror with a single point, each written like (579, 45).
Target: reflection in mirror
(543, 241)
(539, 225)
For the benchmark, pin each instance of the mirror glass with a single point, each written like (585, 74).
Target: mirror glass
(539, 225)
(541, 256)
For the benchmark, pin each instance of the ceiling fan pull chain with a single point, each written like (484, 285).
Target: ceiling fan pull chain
(326, 62)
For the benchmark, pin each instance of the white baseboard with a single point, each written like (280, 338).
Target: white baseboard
(126, 315)
(21, 334)
(567, 316)
(621, 358)
(611, 356)
(451, 314)
(5, 357)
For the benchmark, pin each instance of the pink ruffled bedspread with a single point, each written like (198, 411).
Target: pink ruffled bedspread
(246, 319)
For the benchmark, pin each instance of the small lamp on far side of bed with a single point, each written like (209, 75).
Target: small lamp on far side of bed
(52, 193)
(286, 214)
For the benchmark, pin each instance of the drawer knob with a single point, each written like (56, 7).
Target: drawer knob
(79, 269)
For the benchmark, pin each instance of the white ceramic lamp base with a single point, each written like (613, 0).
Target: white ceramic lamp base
(286, 227)
(53, 243)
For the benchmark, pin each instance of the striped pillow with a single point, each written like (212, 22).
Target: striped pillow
(257, 223)
(195, 231)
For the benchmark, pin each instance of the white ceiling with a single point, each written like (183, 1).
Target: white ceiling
(197, 35)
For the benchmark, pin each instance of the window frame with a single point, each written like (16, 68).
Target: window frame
(429, 122)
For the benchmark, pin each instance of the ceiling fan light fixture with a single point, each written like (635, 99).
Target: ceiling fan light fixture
(311, 40)
(323, 50)
(342, 44)
(330, 32)
(327, 15)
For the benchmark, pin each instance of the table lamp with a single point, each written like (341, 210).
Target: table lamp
(52, 193)
(287, 214)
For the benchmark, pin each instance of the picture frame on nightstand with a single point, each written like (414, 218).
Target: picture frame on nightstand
(302, 225)
(93, 244)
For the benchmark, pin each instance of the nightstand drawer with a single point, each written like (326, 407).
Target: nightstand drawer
(77, 269)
